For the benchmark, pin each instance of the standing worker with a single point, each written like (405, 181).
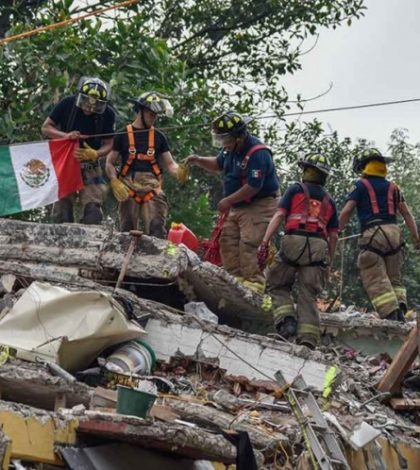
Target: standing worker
(307, 250)
(144, 152)
(250, 193)
(86, 117)
(380, 260)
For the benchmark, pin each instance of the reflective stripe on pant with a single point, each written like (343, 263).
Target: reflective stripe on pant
(241, 236)
(311, 280)
(153, 214)
(381, 275)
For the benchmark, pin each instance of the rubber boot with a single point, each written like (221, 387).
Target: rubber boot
(395, 315)
(92, 214)
(402, 312)
(157, 228)
(308, 341)
(63, 212)
(287, 327)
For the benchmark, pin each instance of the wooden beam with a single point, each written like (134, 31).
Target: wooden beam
(391, 381)
(405, 403)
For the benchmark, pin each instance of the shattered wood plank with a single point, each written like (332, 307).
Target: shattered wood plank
(212, 418)
(391, 381)
(405, 403)
(194, 443)
(33, 385)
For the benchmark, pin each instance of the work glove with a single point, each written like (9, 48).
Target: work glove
(262, 254)
(120, 190)
(86, 154)
(183, 173)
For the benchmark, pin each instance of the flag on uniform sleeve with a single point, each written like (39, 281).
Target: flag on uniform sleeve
(36, 174)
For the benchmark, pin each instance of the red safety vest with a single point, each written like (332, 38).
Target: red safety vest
(149, 156)
(309, 215)
(374, 201)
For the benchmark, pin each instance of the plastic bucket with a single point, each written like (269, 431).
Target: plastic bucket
(134, 402)
(135, 357)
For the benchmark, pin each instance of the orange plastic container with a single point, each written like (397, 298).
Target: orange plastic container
(179, 233)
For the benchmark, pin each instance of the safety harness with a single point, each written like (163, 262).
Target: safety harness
(149, 156)
(375, 211)
(304, 219)
(245, 162)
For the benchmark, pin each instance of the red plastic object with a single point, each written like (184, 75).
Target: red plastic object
(179, 233)
(212, 246)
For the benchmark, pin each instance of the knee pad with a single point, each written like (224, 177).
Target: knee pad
(157, 228)
(92, 214)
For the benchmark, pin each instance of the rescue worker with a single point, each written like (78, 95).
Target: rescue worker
(250, 193)
(380, 261)
(144, 153)
(307, 249)
(87, 117)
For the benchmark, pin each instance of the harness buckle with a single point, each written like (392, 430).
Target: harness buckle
(150, 152)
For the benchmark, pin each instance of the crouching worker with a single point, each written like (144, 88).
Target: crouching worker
(307, 249)
(144, 153)
(380, 261)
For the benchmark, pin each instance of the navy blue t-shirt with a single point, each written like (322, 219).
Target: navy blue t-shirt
(317, 192)
(68, 117)
(260, 172)
(364, 207)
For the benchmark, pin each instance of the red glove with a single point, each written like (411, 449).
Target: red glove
(262, 255)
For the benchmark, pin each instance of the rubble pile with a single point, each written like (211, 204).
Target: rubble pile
(201, 394)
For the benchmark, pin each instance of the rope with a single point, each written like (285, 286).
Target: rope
(60, 24)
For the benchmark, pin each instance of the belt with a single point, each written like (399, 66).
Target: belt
(273, 195)
(375, 223)
(304, 233)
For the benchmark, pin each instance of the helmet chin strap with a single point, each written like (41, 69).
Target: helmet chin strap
(142, 118)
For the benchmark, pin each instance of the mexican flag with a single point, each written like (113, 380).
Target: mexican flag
(36, 174)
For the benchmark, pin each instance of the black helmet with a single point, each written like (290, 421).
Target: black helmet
(316, 160)
(369, 155)
(230, 124)
(93, 94)
(155, 102)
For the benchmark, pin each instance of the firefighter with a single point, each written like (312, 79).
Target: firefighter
(378, 201)
(250, 194)
(87, 117)
(307, 249)
(144, 152)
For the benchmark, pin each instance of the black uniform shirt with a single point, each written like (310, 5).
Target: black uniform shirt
(68, 117)
(142, 144)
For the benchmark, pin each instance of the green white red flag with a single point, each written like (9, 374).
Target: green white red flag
(36, 174)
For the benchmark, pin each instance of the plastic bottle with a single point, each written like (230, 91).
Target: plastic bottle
(179, 233)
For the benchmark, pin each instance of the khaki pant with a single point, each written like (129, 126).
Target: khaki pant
(281, 276)
(91, 198)
(153, 214)
(381, 275)
(242, 233)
